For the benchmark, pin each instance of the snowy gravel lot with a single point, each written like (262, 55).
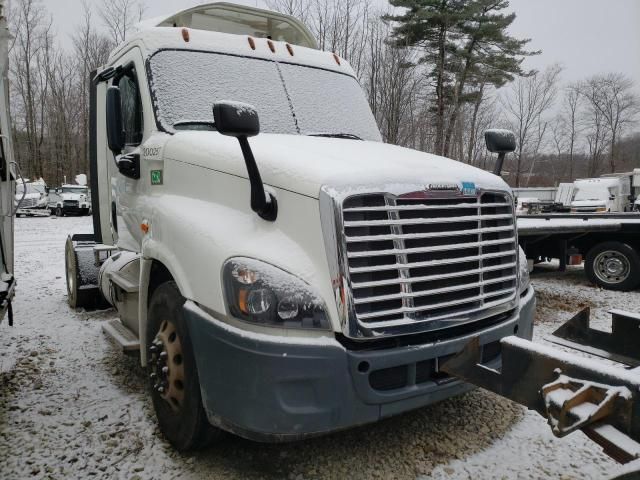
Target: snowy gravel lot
(71, 406)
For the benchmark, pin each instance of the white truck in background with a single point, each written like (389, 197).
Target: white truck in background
(7, 177)
(70, 200)
(609, 193)
(32, 198)
(601, 195)
(305, 281)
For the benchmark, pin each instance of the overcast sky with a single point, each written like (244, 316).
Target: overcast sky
(585, 36)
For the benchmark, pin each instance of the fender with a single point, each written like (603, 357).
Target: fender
(155, 251)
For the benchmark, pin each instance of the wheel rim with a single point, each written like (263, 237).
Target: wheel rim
(167, 365)
(71, 274)
(611, 266)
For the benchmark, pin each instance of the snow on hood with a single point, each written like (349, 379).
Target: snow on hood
(304, 164)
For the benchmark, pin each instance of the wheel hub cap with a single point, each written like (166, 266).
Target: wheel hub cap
(612, 267)
(167, 365)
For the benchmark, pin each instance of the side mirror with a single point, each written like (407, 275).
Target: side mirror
(115, 131)
(236, 119)
(240, 120)
(500, 142)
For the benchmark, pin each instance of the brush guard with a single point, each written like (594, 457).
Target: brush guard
(572, 391)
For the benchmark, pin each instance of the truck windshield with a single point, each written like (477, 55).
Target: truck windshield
(592, 192)
(74, 190)
(290, 99)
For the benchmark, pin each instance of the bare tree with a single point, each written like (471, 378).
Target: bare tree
(119, 16)
(612, 95)
(295, 8)
(91, 50)
(527, 100)
(391, 84)
(570, 107)
(30, 56)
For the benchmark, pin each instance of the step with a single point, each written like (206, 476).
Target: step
(126, 283)
(122, 336)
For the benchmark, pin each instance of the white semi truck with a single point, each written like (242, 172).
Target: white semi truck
(305, 280)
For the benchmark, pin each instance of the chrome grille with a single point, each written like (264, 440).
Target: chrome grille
(28, 202)
(428, 261)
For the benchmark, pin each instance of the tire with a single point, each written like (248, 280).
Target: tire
(614, 266)
(76, 297)
(179, 411)
(59, 212)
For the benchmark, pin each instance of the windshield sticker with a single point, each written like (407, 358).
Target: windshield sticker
(156, 177)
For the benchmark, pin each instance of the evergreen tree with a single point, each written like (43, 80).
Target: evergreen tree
(466, 44)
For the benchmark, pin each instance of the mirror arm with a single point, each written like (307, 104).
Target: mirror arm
(266, 209)
(497, 170)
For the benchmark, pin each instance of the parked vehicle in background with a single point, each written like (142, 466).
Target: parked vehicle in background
(313, 287)
(600, 195)
(70, 200)
(613, 192)
(32, 198)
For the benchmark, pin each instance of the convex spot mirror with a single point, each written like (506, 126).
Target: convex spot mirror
(500, 141)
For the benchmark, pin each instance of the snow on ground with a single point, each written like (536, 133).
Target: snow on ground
(72, 406)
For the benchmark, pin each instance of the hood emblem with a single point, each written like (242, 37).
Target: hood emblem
(443, 187)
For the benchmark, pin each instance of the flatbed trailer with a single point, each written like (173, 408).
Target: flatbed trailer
(609, 244)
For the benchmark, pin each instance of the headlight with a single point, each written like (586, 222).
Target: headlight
(524, 270)
(260, 293)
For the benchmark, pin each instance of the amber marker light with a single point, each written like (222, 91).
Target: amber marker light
(336, 58)
(242, 301)
(272, 47)
(290, 49)
(185, 34)
(144, 227)
(252, 43)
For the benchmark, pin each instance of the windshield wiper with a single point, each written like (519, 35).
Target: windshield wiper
(194, 125)
(349, 136)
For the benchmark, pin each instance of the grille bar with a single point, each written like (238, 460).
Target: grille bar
(424, 207)
(417, 236)
(459, 314)
(384, 313)
(437, 248)
(432, 263)
(424, 293)
(429, 278)
(426, 221)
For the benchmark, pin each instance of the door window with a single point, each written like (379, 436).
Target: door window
(132, 121)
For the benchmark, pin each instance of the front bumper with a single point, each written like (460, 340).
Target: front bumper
(281, 388)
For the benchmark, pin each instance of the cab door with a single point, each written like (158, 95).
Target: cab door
(126, 208)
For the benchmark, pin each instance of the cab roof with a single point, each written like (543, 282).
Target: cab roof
(240, 20)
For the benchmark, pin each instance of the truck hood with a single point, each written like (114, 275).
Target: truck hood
(304, 164)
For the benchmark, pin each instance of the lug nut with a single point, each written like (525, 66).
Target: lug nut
(163, 355)
(165, 370)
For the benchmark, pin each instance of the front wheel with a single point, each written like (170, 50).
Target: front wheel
(173, 376)
(614, 266)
